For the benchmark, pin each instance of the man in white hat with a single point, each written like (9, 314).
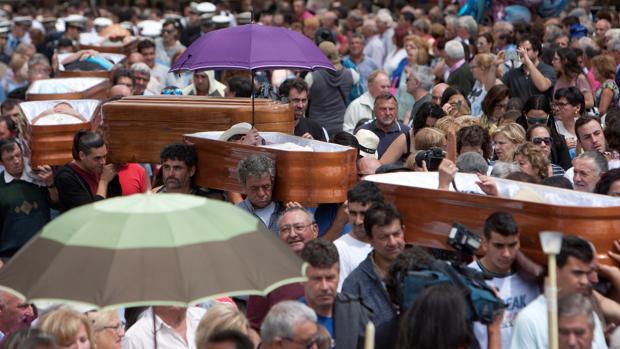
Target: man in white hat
(19, 33)
(5, 28)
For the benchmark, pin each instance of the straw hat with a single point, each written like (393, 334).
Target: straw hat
(330, 50)
(368, 142)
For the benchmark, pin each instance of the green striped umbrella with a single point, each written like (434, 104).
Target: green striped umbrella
(167, 249)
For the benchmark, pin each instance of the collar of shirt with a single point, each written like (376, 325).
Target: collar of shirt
(24, 177)
(395, 127)
(456, 65)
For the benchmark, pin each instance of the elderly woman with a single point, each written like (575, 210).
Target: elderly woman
(220, 317)
(108, 329)
(506, 139)
(70, 328)
(533, 161)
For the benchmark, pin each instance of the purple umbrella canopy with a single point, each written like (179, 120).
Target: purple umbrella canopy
(252, 47)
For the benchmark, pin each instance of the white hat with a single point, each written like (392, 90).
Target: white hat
(150, 28)
(26, 20)
(5, 26)
(368, 142)
(236, 129)
(203, 7)
(102, 22)
(221, 21)
(75, 21)
(244, 18)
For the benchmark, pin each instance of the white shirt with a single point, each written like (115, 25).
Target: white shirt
(140, 335)
(351, 252)
(530, 329)
(360, 108)
(516, 293)
(375, 50)
(393, 59)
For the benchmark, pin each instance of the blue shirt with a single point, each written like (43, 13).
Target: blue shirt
(386, 138)
(365, 67)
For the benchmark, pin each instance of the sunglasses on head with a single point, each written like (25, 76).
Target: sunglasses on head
(539, 140)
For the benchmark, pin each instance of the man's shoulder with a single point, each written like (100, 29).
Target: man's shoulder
(534, 311)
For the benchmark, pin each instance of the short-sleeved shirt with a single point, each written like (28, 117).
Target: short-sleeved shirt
(386, 138)
(610, 85)
(521, 85)
(580, 82)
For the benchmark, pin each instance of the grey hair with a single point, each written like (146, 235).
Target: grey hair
(141, 67)
(554, 32)
(469, 23)
(385, 17)
(282, 319)
(574, 305)
(472, 162)
(600, 162)
(294, 209)
(614, 44)
(425, 76)
(256, 165)
(370, 25)
(451, 21)
(38, 59)
(613, 33)
(423, 25)
(501, 169)
(454, 50)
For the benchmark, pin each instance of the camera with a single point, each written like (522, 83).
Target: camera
(432, 157)
(463, 239)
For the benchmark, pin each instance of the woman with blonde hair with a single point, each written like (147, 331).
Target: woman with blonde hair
(417, 54)
(71, 329)
(223, 316)
(108, 329)
(608, 94)
(484, 70)
(17, 74)
(430, 137)
(532, 160)
(506, 139)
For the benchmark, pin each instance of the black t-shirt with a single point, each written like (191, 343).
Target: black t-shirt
(521, 85)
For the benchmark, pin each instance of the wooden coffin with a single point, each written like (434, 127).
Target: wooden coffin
(68, 88)
(429, 213)
(136, 131)
(52, 144)
(113, 57)
(125, 49)
(320, 176)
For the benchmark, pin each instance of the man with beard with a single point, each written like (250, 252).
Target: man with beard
(354, 247)
(296, 227)
(385, 229)
(344, 316)
(178, 166)
(296, 92)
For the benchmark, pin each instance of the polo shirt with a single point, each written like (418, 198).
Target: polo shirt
(385, 138)
(521, 85)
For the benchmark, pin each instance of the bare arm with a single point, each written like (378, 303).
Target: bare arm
(395, 151)
(589, 99)
(606, 96)
(338, 224)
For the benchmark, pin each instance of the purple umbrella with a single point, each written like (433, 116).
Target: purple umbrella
(252, 47)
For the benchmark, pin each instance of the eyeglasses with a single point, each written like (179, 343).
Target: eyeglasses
(560, 104)
(540, 140)
(536, 121)
(120, 327)
(297, 227)
(308, 343)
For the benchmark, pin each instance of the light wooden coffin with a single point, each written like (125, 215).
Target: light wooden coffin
(429, 213)
(68, 88)
(320, 176)
(125, 49)
(113, 57)
(52, 144)
(137, 129)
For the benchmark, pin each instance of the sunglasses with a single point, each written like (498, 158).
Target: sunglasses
(540, 140)
(536, 121)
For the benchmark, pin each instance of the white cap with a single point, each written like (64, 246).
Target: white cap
(26, 20)
(150, 28)
(203, 7)
(221, 20)
(75, 20)
(236, 129)
(368, 142)
(102, 22)
(244, 17)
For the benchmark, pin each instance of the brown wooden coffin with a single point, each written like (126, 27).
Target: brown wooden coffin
(52, 144)
(320, 176)
(125, 49)
(115, 58)
(68, 88)
(136, 131)
(429, 213)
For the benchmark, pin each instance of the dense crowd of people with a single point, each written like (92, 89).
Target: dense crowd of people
(527, 93)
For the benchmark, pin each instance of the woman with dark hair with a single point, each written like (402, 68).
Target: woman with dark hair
(609, 184)
(494, 106)
(484, 43)
(438, 320)
(570, 74)
(537, 111)
(454, 103)
(474, 138)
(568, 106)
(426, 116)
(540, 136)
(608, 94)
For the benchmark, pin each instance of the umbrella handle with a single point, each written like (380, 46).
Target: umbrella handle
(154, 329)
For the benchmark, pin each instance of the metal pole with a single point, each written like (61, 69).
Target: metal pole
(252, 72)
(552, 302)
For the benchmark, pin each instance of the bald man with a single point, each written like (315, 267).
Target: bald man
(437, 92)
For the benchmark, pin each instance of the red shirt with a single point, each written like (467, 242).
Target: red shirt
(91, 179)
(132, 178)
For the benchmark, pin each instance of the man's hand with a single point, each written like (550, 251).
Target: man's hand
(109, 171)
(307, 135)
(447, 171)
(499, 58)
(615, 252)
(252, 138)
(524, 57)
(292, 204)
(46, 174)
